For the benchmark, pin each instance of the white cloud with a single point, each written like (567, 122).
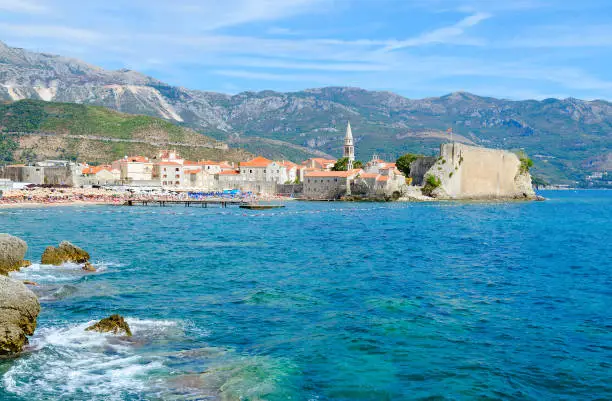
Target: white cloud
(22, 7)
(50, 31)
(451, 34)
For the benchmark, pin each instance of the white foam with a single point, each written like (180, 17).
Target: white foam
(69, 361)
(67, 272)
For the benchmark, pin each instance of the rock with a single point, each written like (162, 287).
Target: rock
(27, 282)
(12, 251)
(19, 308)
(115, 324)
(26, 263)
(65, 252)
(88, 267)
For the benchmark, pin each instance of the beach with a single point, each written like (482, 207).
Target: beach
(49, 197)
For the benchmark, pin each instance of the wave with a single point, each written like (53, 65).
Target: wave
(71, 363)
(67, 272)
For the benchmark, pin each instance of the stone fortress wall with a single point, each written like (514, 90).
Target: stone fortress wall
(469, 172)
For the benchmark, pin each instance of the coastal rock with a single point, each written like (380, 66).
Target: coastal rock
(115, 324)
(476, 173)
(26, 263)
(65, 252)
(88, 267)
(19, 308)
(12, 251)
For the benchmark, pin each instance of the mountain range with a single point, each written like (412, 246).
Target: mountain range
(567, 138)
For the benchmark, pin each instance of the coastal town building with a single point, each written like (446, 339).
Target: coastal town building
(100, 175)
(328, 184)
(134, 168)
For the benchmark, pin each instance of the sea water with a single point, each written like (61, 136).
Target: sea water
(323, 301)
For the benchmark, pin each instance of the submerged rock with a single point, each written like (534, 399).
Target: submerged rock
(19, 308)
(65, 252)
(28, 282)
(12, 251)
(88, 267)
(115, 324)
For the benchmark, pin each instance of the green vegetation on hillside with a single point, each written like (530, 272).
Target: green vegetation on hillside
(78, 119)
(38, 128)
(7, 147)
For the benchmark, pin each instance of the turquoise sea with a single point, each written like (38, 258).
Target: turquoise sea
(324, 301)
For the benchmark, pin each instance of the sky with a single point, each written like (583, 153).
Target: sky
(515, 49)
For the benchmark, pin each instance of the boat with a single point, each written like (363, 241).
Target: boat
(261, 207)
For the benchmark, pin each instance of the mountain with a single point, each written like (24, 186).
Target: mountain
(567, 138)
(35, 129)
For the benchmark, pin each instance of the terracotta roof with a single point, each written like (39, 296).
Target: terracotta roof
(135, 159)
(169, 164)
(229, 172)
(191, 163)
(225, 165)
(96, 169)
(256, 162)
(287, 163)
(332, 173)
(383, 178)
(192, 171)
(368, 175)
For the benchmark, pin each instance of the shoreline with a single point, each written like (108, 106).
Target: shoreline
(36, 205)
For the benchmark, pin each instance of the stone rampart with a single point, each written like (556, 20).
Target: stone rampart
(469, 172)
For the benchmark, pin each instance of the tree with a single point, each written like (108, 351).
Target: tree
(403, 162)
(341, 164)
(7, 147)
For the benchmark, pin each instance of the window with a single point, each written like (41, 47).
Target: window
(165, 176)
(178, 176)
(164, 169)
(264, 170)
(177, 169)
(177, 183)
(251, 171)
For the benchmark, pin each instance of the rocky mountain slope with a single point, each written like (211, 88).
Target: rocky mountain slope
(34, 129)
(567, 138)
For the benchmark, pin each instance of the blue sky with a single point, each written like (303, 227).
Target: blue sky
(515, 49)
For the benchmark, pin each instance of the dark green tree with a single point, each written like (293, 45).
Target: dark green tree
(403, 162)
(7, 147)
(341, 164)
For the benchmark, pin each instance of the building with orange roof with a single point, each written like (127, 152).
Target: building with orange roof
(100, 175)
(255, 169)
(134, 168)
(281, 172)
(320, 184)
(319, 163)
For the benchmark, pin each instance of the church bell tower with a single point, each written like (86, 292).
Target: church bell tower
(349, 147)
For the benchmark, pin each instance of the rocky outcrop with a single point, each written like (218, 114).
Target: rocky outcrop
(19, 308)
(65, 252)
(88, 267)
(12, 252)
(115, 324)
(469, 172)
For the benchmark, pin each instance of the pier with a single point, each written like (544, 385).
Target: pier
(186, 203)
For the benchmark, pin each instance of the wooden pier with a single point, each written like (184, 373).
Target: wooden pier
(187, 203)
